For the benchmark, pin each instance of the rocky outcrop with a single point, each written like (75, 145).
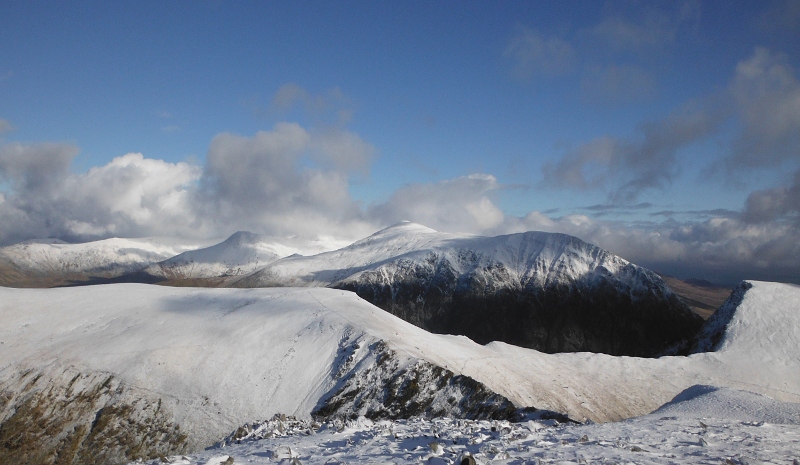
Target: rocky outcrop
(384, 389)
(73, 417)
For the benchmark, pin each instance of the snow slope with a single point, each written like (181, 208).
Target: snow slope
(56, 259)
(242, 253)
(201, 362)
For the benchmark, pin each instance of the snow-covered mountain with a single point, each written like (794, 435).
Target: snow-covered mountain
(43, 263)
(102, 374)
(547, 291)
(242, 253)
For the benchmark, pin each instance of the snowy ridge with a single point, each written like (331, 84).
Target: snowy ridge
(534, 257)
(108, 257)
(241, 253)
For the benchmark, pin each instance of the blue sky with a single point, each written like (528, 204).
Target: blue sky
(666, 132)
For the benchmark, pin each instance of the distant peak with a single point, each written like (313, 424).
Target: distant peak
(242, 234)
(406, 226)
(241, 237)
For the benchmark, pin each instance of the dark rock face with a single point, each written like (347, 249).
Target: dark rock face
(386, 390)
(597, 313)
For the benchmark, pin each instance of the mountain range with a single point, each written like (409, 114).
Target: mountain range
(546, 291)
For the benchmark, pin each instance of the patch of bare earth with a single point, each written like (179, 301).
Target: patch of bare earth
(702, 299)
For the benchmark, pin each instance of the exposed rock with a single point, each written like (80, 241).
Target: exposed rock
(77, 418)
(387, 390)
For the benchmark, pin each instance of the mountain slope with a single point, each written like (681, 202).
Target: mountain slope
(550, 292)
(242, 253)
(130, 371)
(51, 262)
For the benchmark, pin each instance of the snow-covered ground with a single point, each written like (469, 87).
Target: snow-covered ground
(215, 359)
(243, 252)
(105, 257)
(704, 425)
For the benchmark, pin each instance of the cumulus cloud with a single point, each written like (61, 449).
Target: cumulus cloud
(533, 54)
(130, 196)
(269, 183)
(723, 249)
(286, 180)
(462, 204)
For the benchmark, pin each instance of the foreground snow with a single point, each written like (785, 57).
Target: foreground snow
(204, 362)
(703, 425)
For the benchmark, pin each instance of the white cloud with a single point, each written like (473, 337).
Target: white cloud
(457, 205)
(642, 26)
(763, 102)
(721, 249)
(287, 180)
(130, 196)
(291, 180)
